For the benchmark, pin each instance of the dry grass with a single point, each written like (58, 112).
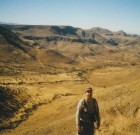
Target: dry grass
(116, 89)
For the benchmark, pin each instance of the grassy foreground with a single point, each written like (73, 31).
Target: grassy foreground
(56, 96)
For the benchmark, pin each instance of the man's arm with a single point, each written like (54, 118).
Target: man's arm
(78, 116)
(97, 114)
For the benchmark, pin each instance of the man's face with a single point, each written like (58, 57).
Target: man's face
(88, 94)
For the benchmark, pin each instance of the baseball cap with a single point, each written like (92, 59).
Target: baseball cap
(89, 89)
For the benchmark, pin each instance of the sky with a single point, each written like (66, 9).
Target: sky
(113, 15)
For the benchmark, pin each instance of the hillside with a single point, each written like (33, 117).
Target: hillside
(45, 69)
(11, 101)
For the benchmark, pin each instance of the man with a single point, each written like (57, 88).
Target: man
(87, 114)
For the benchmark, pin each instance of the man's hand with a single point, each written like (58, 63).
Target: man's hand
(96, 125)
(78, 129)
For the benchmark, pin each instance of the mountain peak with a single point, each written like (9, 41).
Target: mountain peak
(121, 32)
(101, 31)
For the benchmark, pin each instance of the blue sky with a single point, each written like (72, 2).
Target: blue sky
(114, 15)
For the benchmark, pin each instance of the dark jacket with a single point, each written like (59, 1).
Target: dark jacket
(87, 112)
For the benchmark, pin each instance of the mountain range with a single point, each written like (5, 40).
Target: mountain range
(65, 45)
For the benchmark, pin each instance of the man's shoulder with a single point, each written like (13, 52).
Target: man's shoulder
(94, 100)
(82, 100)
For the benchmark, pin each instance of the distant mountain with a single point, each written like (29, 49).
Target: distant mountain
(60, 45)
(2, 23)
(122, 33)
(101, 31)
(68, 33)
(8, 23)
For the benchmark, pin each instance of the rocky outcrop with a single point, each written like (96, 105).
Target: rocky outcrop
(62, 38)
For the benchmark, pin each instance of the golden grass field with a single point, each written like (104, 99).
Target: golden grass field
(115, 88)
